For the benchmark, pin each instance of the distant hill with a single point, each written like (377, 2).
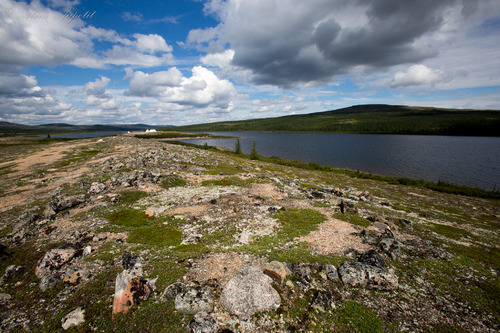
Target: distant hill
(371, 119)
(58, 128)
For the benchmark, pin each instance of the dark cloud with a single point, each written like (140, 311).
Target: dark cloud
(288, 42)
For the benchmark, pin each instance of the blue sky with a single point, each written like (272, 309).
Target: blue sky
(194, 61)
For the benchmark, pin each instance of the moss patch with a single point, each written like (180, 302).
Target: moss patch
(353, 219)
(226, 181)
(172, 181)
(129, 218)
(156, 235)
(131, 196)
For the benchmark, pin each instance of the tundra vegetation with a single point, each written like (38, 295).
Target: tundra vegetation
(339, 250)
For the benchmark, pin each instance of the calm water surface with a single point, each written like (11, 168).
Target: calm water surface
(471, 161)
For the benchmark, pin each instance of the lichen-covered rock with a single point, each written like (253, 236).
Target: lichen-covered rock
(390, 246)
(203, 323)
(60, 203)
(172, 291)
(55, 258)
(129, 290)
(194, 299)
(322, 301)
(97, 188)
(331, 272)
(74, 318)
(248, 292)
(372, 258)
(363, 275)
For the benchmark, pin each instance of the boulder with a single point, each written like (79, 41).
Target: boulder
(60, 203)
(74, 318)
(331, 272)
(194, 299)
(129, 290)
(375, 232)
(248, 292)
(55, 258)
(97, 188)
(172, 291)
(363, 275)
(278, 271)
(372, 258)
(390, 246)
(203, 323)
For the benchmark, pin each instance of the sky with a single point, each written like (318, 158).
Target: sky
(197, 61)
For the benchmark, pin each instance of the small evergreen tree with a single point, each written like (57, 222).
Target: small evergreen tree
(254, 155)
(237, 149)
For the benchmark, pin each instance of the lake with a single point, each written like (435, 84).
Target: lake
(471, 161)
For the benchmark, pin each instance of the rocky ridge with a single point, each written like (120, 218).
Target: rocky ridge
(139, 228)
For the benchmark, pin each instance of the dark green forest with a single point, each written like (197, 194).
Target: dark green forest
(371, 119)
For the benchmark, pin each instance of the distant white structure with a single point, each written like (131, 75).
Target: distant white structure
(150, 130)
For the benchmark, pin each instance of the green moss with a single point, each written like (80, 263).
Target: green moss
(172, 181)
(131, 196)
(449, 231)
(156, 235)
(226, 181)
(224, 169)
(355, 317)
(321, 204)
(353, 219)
(129, 218)
(299, 222)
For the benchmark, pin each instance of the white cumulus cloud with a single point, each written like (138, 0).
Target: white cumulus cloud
(414, 76)
(203, 89)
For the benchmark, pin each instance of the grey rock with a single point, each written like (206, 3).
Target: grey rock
(131, 262)
(359, 274)
(322, 301)
(173, 290)
(331, 272)
(248, 292)
(97, 188)
(55, 258)
(203, 323)
(60, 203)
(49, 281)
(390, 246)
(372, 258)
(194, 299)
(74, 318)
(301, 270)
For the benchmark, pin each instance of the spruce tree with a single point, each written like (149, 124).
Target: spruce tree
(237, 149)
(254, 155)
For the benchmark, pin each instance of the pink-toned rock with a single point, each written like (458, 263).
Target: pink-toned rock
(73, 278)
(150, 212)
(129, 290)
(277, 270)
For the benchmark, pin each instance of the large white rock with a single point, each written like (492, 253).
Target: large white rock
(248, 292)
(74, 318)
